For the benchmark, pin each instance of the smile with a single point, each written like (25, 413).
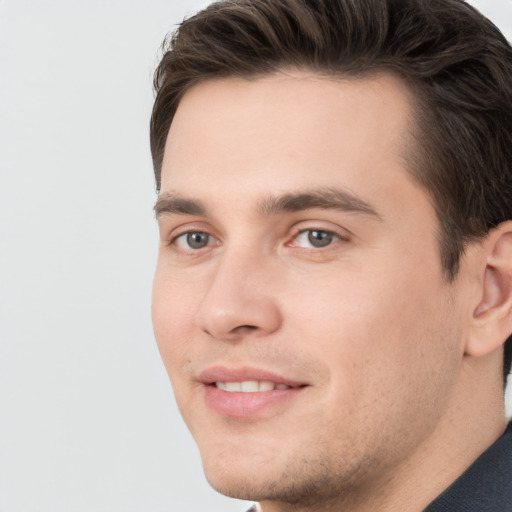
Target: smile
(248, 392)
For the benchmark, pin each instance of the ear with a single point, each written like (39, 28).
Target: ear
(492, 317)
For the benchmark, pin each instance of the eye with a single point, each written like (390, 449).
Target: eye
(194, 240)
(315, 238)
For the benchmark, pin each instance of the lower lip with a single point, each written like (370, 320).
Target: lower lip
(246, 405)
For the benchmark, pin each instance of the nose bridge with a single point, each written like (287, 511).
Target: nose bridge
(238, 299)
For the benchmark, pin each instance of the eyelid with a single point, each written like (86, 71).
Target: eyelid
(169, 236)
(342, 234)
(172, 233)
(171, 230)
(211, 242)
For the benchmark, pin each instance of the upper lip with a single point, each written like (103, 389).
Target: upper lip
(244, 373)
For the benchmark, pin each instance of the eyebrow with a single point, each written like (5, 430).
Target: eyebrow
(324, 199)
(171, 203)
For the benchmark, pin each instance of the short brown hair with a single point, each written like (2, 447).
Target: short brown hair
(457, 63)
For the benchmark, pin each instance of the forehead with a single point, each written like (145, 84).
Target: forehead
(288, 130)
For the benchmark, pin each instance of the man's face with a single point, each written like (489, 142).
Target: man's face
(299, 258)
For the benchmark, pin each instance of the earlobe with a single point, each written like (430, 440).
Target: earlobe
(492, 317)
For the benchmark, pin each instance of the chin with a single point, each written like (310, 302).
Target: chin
(242, 484)
(240, 472)
(253, 476)
(239, 460)
(287, 488)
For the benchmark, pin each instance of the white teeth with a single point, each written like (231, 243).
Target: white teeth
(266, 385)
(233, 387)
(250, 386)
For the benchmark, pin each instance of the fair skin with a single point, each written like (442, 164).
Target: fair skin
(296, 250)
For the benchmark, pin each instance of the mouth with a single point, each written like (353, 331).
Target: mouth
(247, 392)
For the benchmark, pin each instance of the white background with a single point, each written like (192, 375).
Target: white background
(87, 418)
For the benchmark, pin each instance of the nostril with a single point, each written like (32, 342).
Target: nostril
(244, 328)
(224, 315)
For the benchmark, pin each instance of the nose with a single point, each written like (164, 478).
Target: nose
(239, 301)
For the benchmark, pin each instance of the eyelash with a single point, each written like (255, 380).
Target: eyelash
(186, 235)
(324, 234)
(331, 236)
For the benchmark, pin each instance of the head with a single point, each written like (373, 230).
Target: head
(455, 61)
(444, 75)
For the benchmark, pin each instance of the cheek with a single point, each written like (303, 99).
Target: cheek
(172, 312)
(377, 331)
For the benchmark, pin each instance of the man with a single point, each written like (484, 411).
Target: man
(333, 292)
